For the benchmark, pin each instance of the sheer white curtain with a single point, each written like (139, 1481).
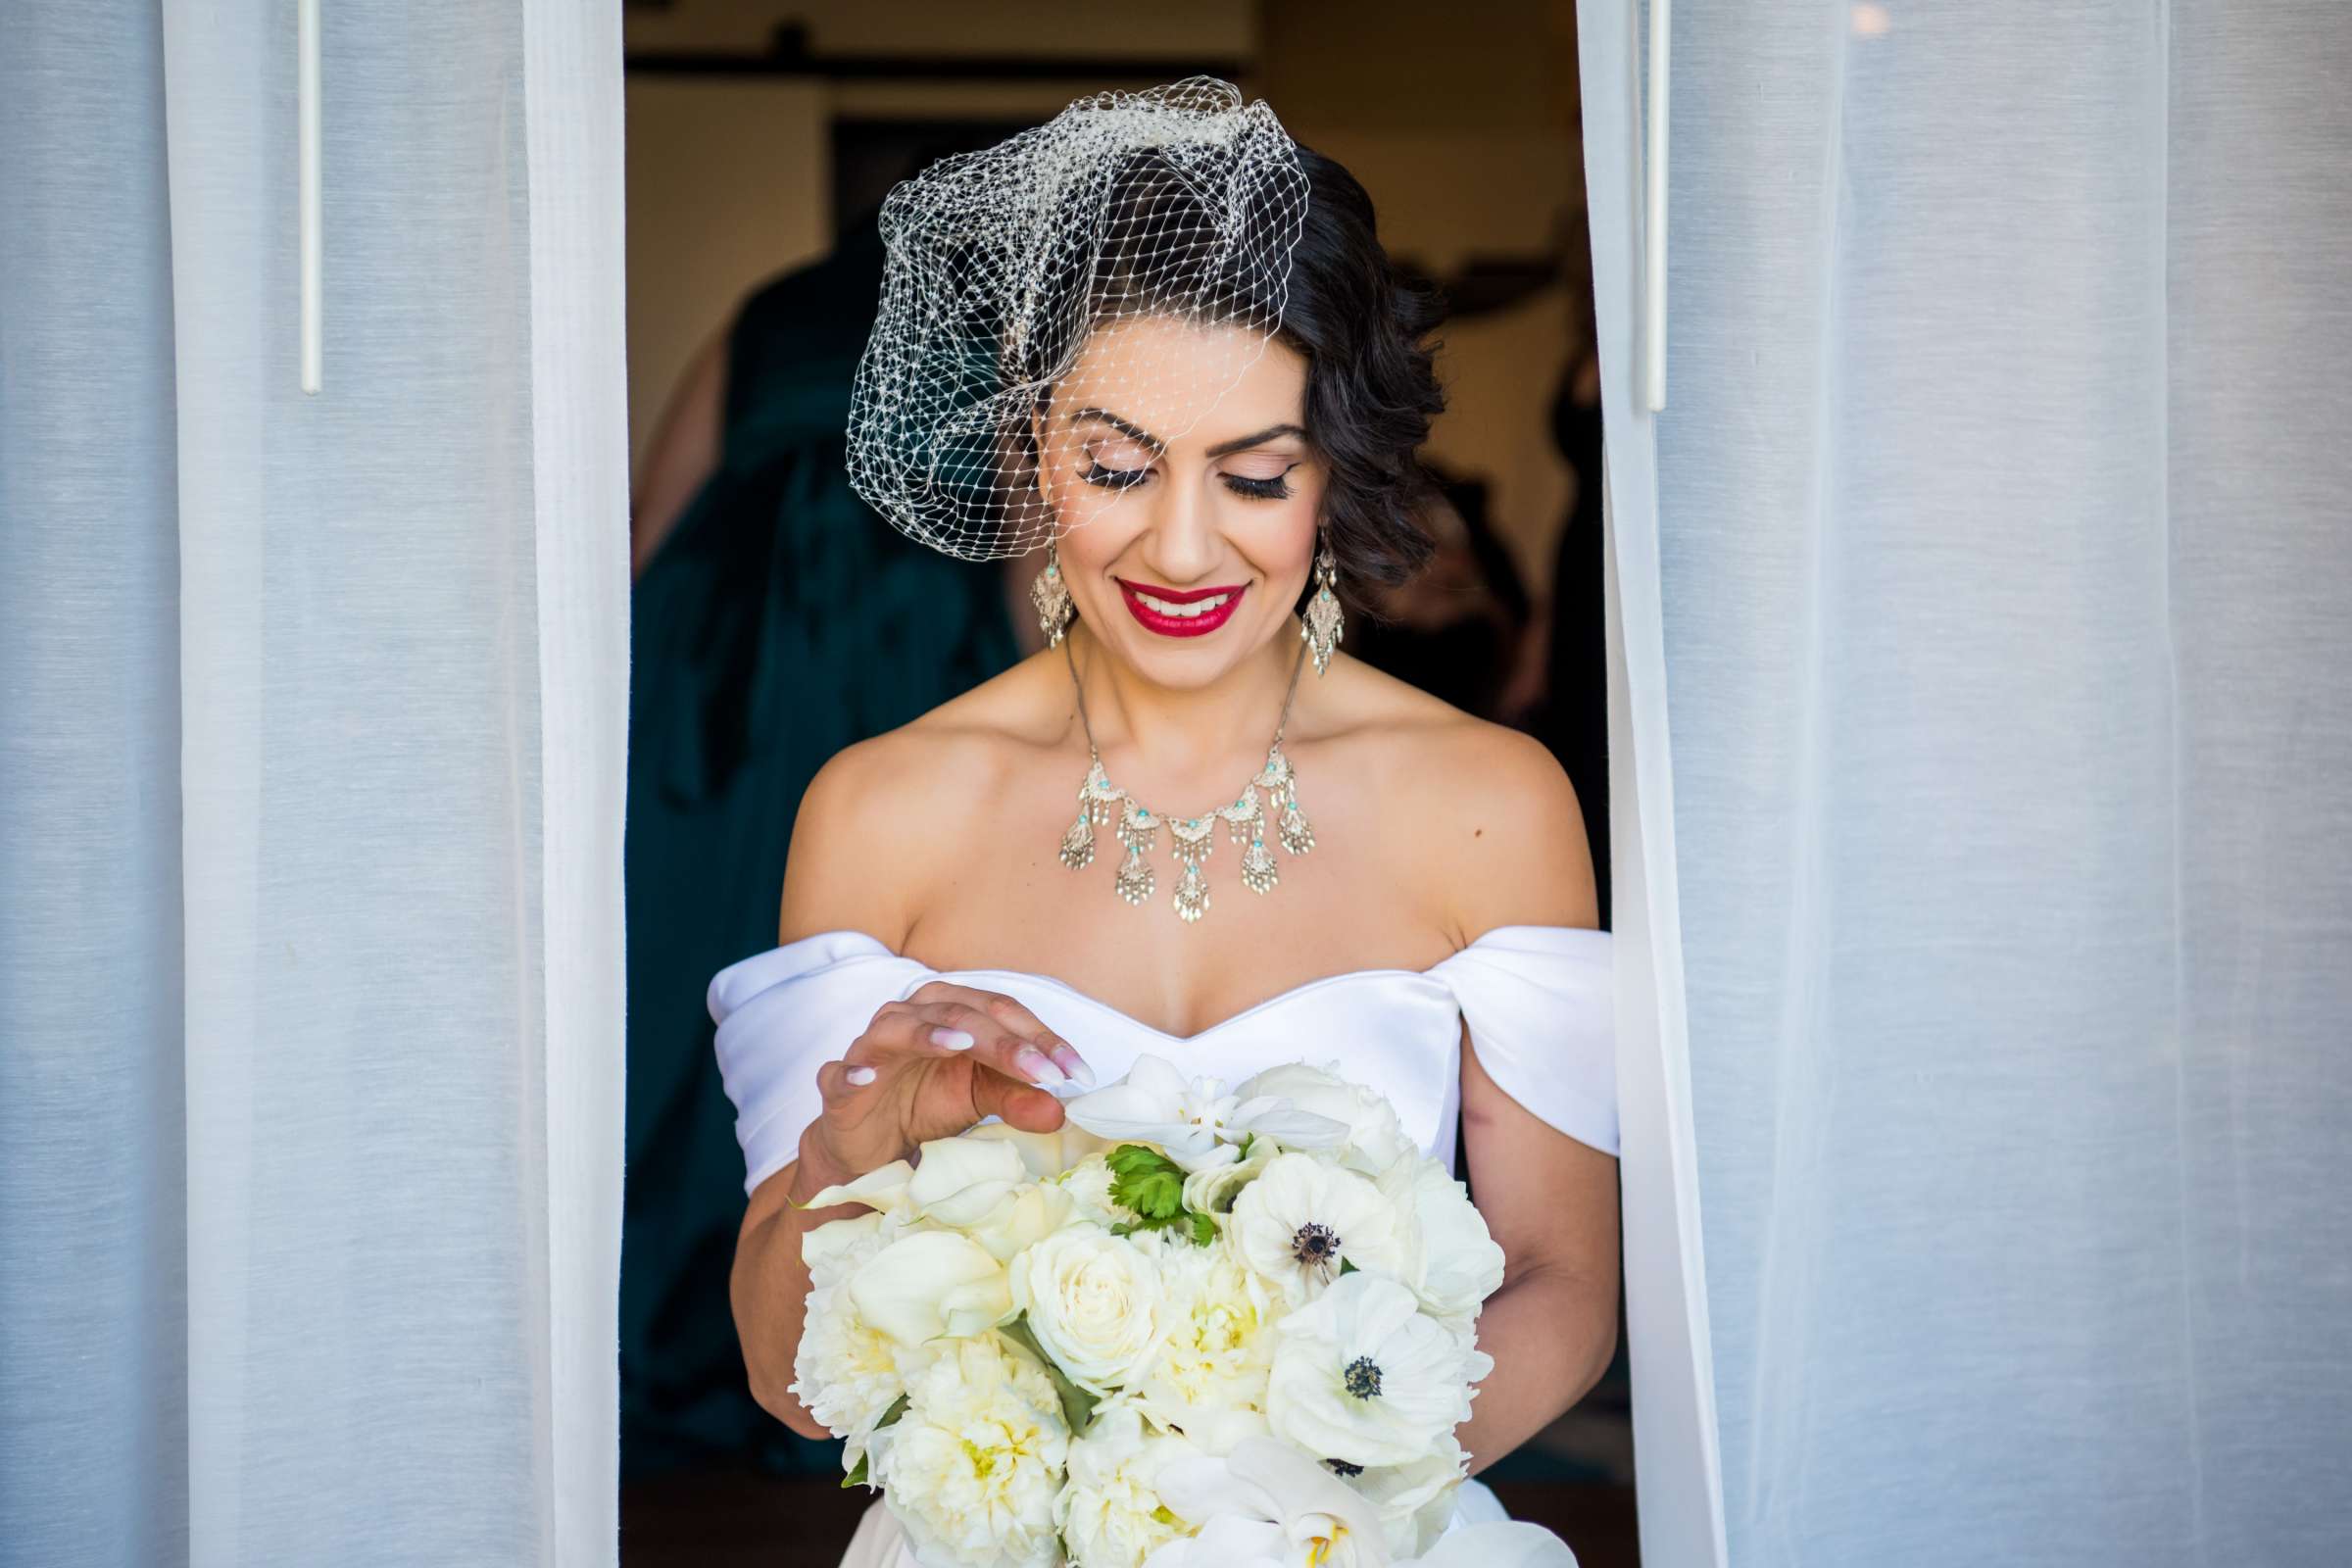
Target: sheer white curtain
(1983, 600)
(311, 717)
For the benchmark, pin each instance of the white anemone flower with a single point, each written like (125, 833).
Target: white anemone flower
(1362, 1377)
(1194, 1119)
(1460, 1265)
(1303, 1220)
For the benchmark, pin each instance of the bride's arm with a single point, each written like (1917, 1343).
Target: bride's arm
(1551, 1204)
(900, 1082)
(1517, 855)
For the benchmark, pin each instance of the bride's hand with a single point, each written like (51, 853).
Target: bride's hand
(932, 1066)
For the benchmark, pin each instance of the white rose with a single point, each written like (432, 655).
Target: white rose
(1360, 1376)
(1415, 1499)
(1303, 1218)
(1208, 1379)
(972, 1468)
(928, 1284)
(1109, 1513)
(1460, 1264)
(1375, 1139)
(1093, 1301)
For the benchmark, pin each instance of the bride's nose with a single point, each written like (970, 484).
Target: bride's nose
(1184, 541)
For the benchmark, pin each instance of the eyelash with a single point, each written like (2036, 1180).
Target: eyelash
(1277, 488)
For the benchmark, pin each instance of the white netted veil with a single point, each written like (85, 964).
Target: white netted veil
(1030, 266)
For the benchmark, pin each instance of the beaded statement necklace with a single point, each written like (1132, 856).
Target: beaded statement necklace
(1101, 802)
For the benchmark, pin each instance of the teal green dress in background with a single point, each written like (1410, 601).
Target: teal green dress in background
(781, 621)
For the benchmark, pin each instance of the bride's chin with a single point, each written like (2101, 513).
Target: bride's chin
(1183, 663)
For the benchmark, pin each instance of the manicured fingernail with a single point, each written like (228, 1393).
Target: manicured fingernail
(859, 1077)
(1034, 1066)
(951, 1038)
(1074, 1064)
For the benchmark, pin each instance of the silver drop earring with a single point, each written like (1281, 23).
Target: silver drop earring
(1051, 597)
(1323, 624)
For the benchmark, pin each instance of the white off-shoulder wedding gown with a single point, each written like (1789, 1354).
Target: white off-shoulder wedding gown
(1539, 1001)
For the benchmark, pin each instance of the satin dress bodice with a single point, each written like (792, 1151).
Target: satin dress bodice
(1538, 999)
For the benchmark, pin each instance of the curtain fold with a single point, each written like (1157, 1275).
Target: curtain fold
(1997, 533)
(338, 1050)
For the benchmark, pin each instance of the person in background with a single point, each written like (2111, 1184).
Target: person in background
(775, 621)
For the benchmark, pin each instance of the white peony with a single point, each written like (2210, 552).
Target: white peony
(1021, 1218)
(1460, 1265)
(1361, 1376)
(1375, 1139)
(1110, 1511)
(1303, 1217)
(1093, 1301)
(1267, 1506)
(972, 1467)
(928, 1284)
(848, 1372)
(1415, 1499)
(1209, 1380)
(1193, 1120)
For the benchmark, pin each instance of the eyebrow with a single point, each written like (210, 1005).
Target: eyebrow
(1271, 432)
(1132, 431)
(1223, 449)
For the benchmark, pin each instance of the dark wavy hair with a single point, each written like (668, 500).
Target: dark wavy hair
(1372, 388)
(1360, 325)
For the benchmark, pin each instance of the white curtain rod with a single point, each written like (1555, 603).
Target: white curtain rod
(1653, 290)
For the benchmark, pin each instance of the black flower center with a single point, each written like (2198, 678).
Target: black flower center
(1363, 1377)
(1317, 1249)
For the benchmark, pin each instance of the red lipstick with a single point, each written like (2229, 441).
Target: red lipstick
(1199, 623)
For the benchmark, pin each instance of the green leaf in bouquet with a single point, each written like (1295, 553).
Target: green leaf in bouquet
(858, 1473)
(1077, 1406)
(1146, 1182)
(1347, 1267)
(1201, 1228)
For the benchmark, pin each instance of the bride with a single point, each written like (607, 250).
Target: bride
(1161, 340)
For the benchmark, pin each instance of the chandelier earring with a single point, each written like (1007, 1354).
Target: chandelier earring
(1051, 597)
(1323, 625)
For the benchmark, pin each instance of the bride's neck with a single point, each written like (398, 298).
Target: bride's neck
(1185, 734)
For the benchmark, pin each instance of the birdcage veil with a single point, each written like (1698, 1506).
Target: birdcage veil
(1033, 266)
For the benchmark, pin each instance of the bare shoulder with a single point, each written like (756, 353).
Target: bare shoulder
(1497, 833)
(872, 820)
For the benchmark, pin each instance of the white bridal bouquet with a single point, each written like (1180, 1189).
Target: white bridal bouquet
(1192, 1329)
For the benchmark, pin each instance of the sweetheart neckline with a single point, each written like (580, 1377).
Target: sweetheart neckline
(1428, 974)
(1280, 997)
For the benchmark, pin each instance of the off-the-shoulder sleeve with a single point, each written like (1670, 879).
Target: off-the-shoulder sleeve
(1541, 1003)
(782, 1014)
